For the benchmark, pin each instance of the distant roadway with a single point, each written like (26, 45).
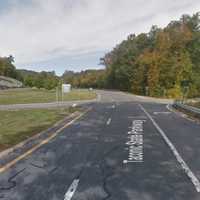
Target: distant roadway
(103, 96)
(97, 158)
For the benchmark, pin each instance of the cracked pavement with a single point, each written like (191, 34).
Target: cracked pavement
(93, 152)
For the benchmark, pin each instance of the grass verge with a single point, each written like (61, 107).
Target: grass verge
(28, 95)
(19, 125)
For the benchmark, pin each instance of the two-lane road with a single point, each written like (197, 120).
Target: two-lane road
(95, 158)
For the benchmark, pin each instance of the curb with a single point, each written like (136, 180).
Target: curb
(14, 154)
(36, 136)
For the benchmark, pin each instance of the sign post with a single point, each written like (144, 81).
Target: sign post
(57, 94)
(185, 88)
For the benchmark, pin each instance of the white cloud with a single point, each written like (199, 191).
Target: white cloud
(46, 29)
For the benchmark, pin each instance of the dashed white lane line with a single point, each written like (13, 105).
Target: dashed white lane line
(113, 106)
(71, 190)
(183, 164)
(108, 121)
(74, 105)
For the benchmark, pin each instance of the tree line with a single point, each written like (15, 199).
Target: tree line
(85, 79)
(46, 80)
(164, 62)
(7, 68)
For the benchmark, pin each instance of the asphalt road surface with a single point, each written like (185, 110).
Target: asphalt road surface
(95, 158)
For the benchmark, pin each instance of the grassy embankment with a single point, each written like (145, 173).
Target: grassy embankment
(16, 126)
(23, 96)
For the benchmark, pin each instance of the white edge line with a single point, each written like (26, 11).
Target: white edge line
(183, 164)
(71, 190)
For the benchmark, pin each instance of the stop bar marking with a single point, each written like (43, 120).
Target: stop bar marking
(183, 164)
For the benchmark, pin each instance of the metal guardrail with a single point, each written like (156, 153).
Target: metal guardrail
(189, 109)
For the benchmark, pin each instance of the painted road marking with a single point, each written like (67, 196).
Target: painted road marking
(108, 121)
(132, 161)
(45, 141)
(113, 106)
(71, 190)
(135, 142)
(183, 164)
(156, 113)
(137, 117)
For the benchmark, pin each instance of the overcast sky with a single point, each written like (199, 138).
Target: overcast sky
(74, 34)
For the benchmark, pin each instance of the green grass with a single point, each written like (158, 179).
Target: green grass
(79, 95)
(17, 126)
(23, 96)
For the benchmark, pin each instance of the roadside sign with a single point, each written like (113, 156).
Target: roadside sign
(66, 88)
